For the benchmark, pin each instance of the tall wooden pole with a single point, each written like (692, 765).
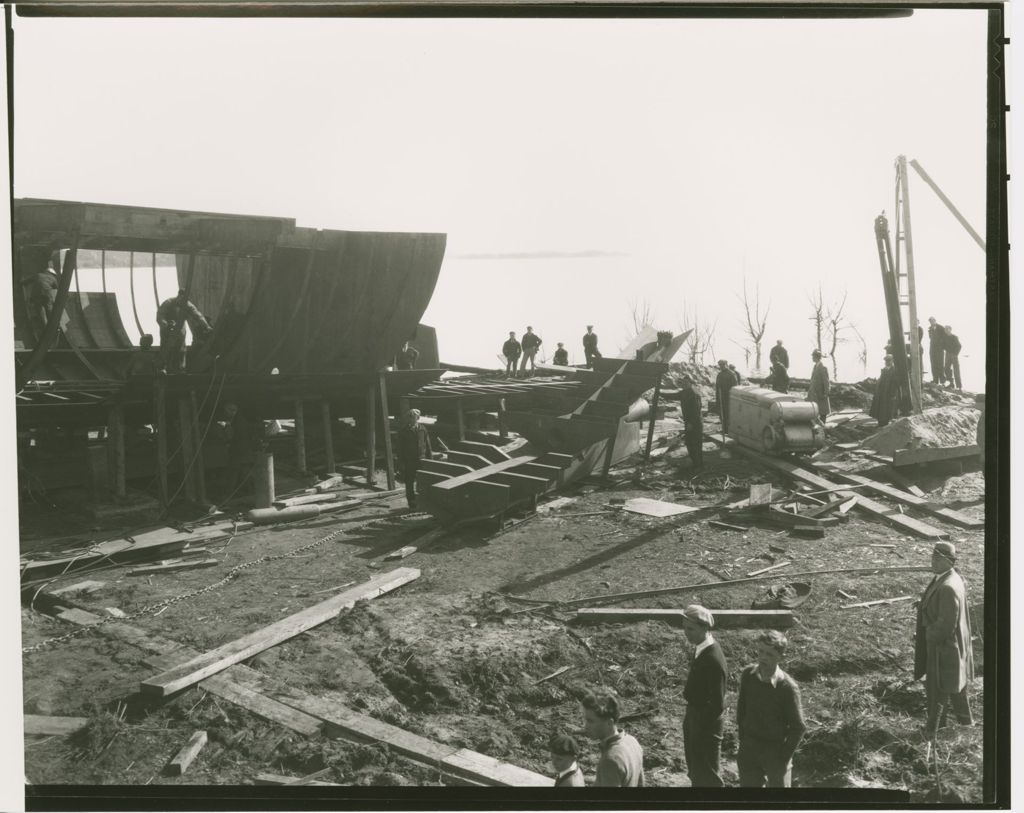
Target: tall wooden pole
(159, 397)
(371, 436)
(325, 409)
(385, 418)
(650, 426)
(915, 342)
(300, 435)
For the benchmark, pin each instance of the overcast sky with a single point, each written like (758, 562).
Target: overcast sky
(677, 155)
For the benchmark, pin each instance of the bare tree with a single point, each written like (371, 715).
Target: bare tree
(702, 338)
(746, 353)
(755, 321)
(641, 312)
(836, 324)
(817, 316)
(862, 356)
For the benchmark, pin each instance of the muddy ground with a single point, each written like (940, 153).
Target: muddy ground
(452, 656)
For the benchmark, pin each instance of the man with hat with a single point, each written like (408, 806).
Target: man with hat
(413, 446)
(531, 344)
(693, 422)
(942, 645)
(590, 345)
(561, 356)
(725, 381)
(937, 350)
(705, 699)
(511, 350)
(564, 753)
(819, 387)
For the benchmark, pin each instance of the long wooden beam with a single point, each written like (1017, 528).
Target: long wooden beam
(777, 619)
(907, 498)
(210, 663)
(867, 506)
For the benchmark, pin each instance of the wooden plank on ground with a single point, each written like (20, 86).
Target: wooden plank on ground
(79, 587)
(401, 553)
(278, 779)
(173, 566)
(907, 498)
(185, 757)
(777, 619)
(307, 499)
(909, 457)
(37, 724)
(492, 453)
(866, 505)
(209, 663)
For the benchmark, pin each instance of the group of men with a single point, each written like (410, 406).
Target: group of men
(769, 712)
(944, 354)
(526, 349)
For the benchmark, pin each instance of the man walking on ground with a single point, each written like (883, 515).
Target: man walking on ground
(779, 355)
(769, 717)
(531, 344)
(725, 381)
(937, 350)
(511, 350)
(564, 753)
(952, 345)
(621, 764)
(590, 346)
(705, 700)
(942, 643)
(413, 446)
(819, 388)
(693, 422)
(406, 358)
(561, 358)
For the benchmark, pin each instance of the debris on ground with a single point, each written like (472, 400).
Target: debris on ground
(943, 427)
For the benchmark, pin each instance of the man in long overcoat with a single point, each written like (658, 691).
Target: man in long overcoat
(942, 645)
(818, 390)
(886, 399)
(724, 383)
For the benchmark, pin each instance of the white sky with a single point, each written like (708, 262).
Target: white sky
(692, 150)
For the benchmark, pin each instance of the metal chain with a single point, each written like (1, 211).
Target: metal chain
(152, 608)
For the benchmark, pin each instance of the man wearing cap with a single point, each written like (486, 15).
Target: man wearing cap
(952, 347)
(590, 345)
(942, 645)
(725, 381)
(564, 753)
(511, 350)
(561, 356)
(769, 717)
(621, 764)
(819, 388)
(693, 422)
(705, 699)
(937, 350)
(531, 344)
(413, 446)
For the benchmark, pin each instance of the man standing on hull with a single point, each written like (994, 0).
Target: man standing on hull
(590, 346)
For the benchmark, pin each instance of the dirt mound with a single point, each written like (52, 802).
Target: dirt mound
(941, 427)
(966, 488)
(849, 396)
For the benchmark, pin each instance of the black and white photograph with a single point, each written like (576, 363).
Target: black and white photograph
(436, 403)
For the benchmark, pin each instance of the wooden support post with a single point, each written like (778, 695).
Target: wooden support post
(908, 243)
(160, 402)
(502, 420)
(263, 475)
(460, 420)
(186, 439)
(325, 409)
(608, 455)
(300, 435)
(389, 460)
(371, 436)
(653, 417)
(115, 441)
(199, 467)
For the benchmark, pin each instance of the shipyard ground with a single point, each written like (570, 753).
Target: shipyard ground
(453, 657)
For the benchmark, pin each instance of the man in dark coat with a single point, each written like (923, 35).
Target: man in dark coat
(705, 700)
(406, 358)
(886, 398)
(43, 293)
(725, 381)
(531, 344)
(511, 350)
(693, 422)
(942, 644)
(143, 361)
(779, 378)
(779, 354)
(819, 387)
(590, 345)
(413, 446)
(172, 316)
(952, 345)
(561, 356)
(769, 717)
(937, 350)
(735, 372)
